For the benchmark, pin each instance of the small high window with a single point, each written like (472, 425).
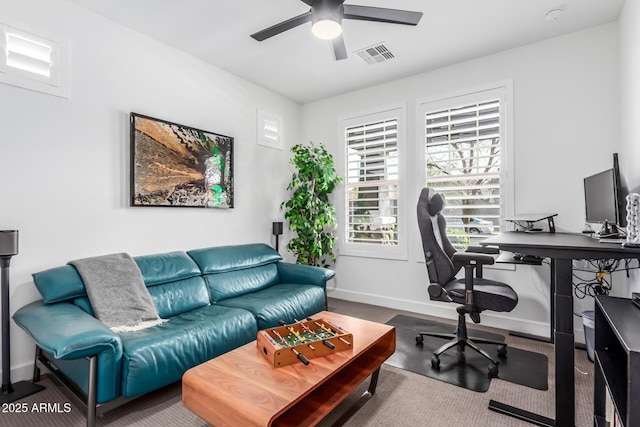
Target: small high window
(32, 61)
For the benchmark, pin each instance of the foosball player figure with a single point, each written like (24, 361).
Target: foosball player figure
(312, 332)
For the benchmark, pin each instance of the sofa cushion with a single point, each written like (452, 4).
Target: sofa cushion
(59, 284)
(229, 258)
(170, 299)
(179, 297)
(235, 283)
(158, 356)
(166, 267)
(64, 283)
(285, 301)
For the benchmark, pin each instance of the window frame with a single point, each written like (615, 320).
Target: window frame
(367, 250)
(269, 137)
(503, 91)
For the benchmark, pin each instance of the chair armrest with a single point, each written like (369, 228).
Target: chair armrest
(304, 274)
(66, 331)
(483, 249)
(469, 258)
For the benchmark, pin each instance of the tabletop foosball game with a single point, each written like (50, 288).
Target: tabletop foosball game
(301, 341)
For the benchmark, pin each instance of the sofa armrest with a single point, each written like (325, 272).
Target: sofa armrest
(304, 274)
(66, 331)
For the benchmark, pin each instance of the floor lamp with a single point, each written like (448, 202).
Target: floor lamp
(9, 392)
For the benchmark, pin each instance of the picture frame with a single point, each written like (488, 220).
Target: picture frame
(174, 165)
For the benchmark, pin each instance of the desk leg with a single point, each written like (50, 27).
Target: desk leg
(552, 300)
(563, 351)
(564, 344)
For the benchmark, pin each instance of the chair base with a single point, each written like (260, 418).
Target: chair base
(461, 340)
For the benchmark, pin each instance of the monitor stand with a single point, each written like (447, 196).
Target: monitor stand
(530, 220)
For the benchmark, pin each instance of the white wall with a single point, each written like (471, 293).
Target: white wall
(566, 106)
(629, 47)
(64, 163)
(630, 91)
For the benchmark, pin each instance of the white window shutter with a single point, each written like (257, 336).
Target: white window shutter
(372, 168)
(269, 130)
(463, 158)
(33, 61)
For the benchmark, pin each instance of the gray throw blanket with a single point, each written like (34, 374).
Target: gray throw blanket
(117, 292)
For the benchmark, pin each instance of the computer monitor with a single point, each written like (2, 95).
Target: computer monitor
(601, 197)
(621, 193)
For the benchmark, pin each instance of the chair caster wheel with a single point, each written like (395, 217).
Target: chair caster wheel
(493, 370)
(419, 340)
(502, 350)
(435, 362)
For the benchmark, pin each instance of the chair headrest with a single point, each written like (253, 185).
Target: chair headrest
(435, 201)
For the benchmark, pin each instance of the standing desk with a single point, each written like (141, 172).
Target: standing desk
(562, 248)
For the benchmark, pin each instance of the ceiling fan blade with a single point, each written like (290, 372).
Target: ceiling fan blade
(338, 48)
(309, 2)
(380, 14)
(282, 27)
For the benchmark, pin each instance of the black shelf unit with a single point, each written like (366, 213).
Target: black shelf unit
(617, 361)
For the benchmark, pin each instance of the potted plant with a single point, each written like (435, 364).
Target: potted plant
(309, 212)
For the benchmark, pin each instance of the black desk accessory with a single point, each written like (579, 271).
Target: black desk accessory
(527, 259)
(530, 220)
(609, 231)
(10, 392)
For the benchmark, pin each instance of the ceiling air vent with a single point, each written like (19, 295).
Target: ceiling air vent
(375, 54)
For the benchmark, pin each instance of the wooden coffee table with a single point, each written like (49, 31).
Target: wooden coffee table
(241, 388)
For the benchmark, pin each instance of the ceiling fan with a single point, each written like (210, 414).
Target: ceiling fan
(327, 15)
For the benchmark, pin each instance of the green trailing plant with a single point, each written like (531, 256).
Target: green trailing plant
(310, 213)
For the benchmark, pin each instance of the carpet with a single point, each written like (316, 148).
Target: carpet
(518, 366)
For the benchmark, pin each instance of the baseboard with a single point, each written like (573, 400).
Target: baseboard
(448, 311)
(23, 372)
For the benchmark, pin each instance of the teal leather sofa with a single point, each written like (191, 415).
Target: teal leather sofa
(215, 299)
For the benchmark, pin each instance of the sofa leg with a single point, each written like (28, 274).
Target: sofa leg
(36, 370)
(91, 395)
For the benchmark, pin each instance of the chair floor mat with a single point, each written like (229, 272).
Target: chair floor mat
(518, 366)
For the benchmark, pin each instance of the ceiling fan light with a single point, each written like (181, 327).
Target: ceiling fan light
(326, 29)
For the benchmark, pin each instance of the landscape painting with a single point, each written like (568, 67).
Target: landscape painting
(180, 166)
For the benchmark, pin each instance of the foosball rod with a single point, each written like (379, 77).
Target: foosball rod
(324, 341)
(302, 339)
(304, 329)
(335, 334)
(299, 355)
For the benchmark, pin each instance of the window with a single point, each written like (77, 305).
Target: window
(372, 212)
(33, 62)
(269, 130)
(464, 159)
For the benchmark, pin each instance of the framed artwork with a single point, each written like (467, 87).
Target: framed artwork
(179, 166)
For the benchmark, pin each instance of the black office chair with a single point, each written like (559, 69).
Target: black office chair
(475, 294)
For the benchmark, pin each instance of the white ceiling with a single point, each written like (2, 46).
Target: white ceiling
(301, 67)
